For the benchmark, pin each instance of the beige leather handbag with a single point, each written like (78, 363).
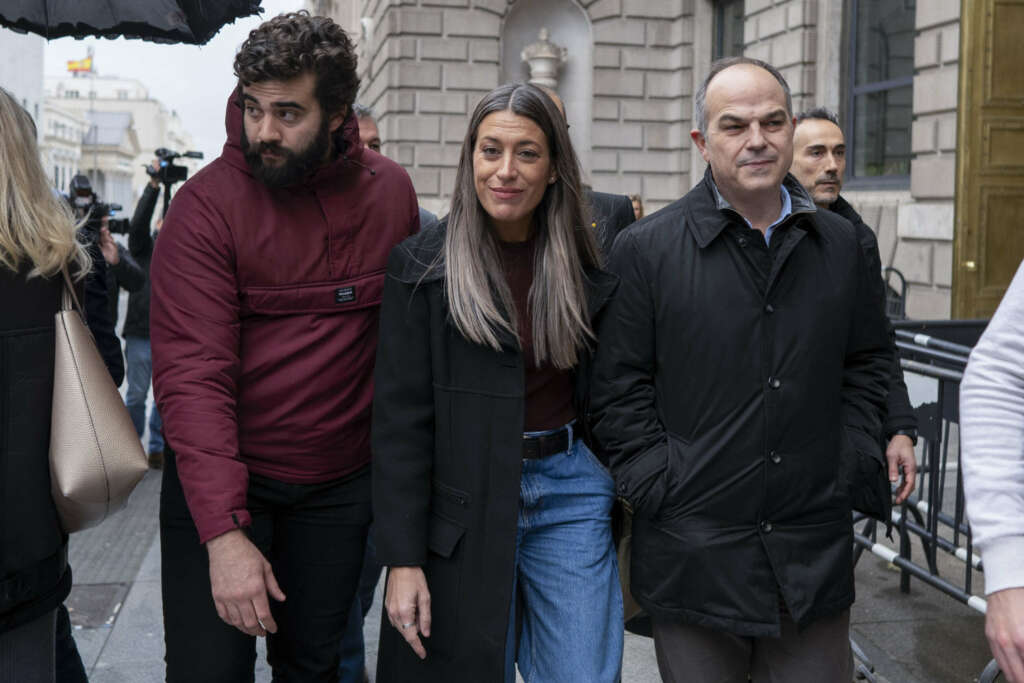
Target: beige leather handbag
(96, 458)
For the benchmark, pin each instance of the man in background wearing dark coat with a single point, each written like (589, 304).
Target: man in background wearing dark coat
(738, 395)
(610, 214)
(819, 160)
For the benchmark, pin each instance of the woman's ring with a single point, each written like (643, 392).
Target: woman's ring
(408, 625)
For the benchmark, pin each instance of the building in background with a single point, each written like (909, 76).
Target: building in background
(890, 68)
(21, 69)
(61, 133)
(110, 151)
(155, 125)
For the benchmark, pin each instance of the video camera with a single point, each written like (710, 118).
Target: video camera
(86, 204)
(169, 172)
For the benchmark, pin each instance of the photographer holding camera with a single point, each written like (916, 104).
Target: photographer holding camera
(136, 321)
(122, 270)
(97, 300)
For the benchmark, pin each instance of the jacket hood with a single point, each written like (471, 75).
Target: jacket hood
(346, 140)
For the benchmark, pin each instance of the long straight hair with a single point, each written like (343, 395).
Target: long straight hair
(479, 298)
(36, 225)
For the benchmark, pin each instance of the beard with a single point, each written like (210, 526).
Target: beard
(296, 164)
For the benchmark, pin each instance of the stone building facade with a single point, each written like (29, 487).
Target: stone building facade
(21, 69)
(633, 66)
(153, 123)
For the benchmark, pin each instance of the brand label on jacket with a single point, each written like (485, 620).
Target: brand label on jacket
(344, 295)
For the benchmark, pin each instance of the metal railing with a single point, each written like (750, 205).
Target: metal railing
(937, 523)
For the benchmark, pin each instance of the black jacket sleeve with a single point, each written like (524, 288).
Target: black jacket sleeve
(626, 423)
(899, 413)
(97, 314)
(127, 273)
(140, 238)
(403, 422)
(867, 374)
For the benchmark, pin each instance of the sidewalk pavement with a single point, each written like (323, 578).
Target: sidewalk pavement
(923, 637)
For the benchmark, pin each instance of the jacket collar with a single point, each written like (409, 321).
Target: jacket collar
(844, 209)
(712, 212)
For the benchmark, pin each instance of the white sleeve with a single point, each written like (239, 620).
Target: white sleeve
(992, 441)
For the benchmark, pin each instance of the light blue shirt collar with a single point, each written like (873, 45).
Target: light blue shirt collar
(787, 208)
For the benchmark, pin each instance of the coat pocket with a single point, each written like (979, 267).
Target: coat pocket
(444, 535)
(348, 294)
(444, 580)
(864, 473)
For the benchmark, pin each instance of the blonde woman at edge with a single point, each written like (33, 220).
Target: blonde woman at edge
(37, 240)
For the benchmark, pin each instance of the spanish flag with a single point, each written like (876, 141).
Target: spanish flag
(80, 65)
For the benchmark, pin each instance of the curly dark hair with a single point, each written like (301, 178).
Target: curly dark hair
(292, 44)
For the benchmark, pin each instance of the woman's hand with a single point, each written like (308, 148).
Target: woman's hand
(407, 601)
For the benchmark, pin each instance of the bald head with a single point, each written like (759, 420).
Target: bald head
(554, 98)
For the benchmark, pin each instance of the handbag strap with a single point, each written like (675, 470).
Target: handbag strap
(69, 300)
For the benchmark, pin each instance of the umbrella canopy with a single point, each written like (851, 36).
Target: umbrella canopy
(162, 21)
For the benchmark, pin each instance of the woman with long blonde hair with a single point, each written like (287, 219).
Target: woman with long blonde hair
(37, 242)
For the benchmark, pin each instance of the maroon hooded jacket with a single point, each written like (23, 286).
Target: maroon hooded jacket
(264, 320)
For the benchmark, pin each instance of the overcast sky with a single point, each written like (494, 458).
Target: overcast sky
(194, 81)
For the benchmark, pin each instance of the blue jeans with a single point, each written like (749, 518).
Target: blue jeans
(566, 573)
(140, 372)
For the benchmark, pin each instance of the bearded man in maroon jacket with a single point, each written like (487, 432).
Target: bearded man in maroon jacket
(266, 286)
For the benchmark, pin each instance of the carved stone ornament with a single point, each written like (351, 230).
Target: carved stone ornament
(545, 59)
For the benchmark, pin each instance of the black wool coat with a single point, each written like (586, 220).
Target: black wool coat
(447, 458)
(34, 574)
(738, 395)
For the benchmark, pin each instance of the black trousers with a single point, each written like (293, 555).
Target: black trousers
(313, 535)
(26, 651)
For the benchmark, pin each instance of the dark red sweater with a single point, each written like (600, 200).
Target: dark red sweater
(548, 389)
(264, 321)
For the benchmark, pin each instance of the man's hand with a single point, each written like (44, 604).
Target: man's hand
(240, 578)
(108, 247)
(407, 601)
(1004, 627)
(900, 453)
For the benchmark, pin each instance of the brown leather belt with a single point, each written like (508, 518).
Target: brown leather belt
(536, 447)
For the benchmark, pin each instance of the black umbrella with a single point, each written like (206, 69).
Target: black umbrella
(162, 21)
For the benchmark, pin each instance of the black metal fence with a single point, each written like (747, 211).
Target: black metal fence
(936, 515)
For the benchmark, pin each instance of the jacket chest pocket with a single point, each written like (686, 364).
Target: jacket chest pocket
(478, 369)
(336, 296)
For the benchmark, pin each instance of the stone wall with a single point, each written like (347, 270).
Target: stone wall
(426, 64)
(784, 33)
(926, 223)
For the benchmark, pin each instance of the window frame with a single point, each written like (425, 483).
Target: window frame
(719, 9)
(867, 182)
